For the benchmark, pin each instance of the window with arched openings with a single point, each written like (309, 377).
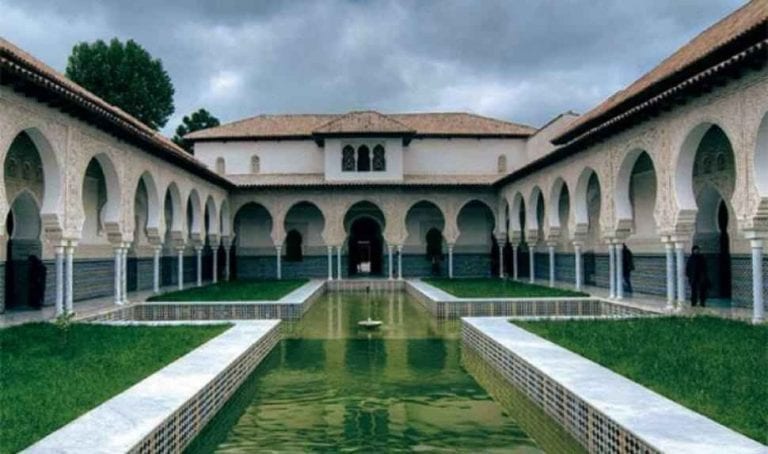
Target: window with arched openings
(363, 159)
(379, 159)
(255, 164)
(348, 159)
(221, 167)
(502, 164)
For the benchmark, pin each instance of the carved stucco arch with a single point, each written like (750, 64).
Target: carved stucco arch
(684, 149)
(427, 200)
(52, 210)
(622, 203)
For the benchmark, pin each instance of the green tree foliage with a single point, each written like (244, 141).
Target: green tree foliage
(126, 76)
(202, 119)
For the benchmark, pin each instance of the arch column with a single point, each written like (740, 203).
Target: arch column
(619, 274)
(213, 241)
(199, 260)
(180, 267)
(226, 242)
(680, 265)
(450, 260)
(278, 258)
(157, 249)
(611, 270)
(578, 265)
(59, 258)
(501, 240)
(669, 250)
(330, 262)
(756, 242)
(533, 235)
(390, 261)
(400, 262)
(70, 254)
(515, 238)
(118, 274)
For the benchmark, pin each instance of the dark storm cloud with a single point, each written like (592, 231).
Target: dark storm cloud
(525, 61)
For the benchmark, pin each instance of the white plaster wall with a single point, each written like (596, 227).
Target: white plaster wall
(540, 145)
(393, 150)
(462, 156)
(286, 156)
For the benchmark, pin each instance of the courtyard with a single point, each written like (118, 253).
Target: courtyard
(368, 271)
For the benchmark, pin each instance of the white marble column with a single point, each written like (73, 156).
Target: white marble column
(551, 250)
(118, 275)
(279, 257)
(338, 262)
(180, 255)
(330, 263)
(124, 271)
(390, 261)
(577, 268)
(156, 269)
(501, 259)
(611, 271)
(215, 273)
(532, 264)
(69, 302)
(670, 254)
(450, 261)
(758, 310)
(400, 261)
(515, 274)
(59, 254)
(199, 268)
(619, 270)
(227, 261)
(680, 264)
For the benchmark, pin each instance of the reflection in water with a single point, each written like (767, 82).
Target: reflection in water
(331, 386)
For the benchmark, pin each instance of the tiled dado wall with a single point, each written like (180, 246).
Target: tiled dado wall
(589, 427)
(178, 430)
(316, 266)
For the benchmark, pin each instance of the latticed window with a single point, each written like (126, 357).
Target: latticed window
(220, 166)
(348, 159)
(379, 159)
(363, 159)
(255, 164)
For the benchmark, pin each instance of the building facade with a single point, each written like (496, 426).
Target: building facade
(676, 159)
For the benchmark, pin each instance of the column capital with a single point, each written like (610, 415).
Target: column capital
(577, 243)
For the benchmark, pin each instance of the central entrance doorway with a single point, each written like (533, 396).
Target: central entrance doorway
(365, 247)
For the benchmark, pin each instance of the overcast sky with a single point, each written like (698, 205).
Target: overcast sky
(522, 60)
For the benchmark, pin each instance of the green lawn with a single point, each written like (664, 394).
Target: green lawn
(236, 291)
(714, 366)
(47, 379)
(496, 288)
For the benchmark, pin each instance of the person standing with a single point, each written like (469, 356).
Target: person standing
(628, 265)
(696, 271)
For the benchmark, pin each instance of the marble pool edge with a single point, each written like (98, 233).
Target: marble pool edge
(166, 410)
(601, 409)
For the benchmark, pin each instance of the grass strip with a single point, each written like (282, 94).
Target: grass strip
(711, 365)
(50, 376)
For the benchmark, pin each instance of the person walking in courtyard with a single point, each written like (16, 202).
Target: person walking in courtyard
(628, 265)
(696, 271)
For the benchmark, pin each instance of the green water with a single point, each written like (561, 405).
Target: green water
(332, 386)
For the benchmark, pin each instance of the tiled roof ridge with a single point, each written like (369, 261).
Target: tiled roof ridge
(357, 113)
(605, 110)
(22, 62)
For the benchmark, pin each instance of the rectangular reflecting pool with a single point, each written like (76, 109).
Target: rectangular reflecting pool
(331, 385)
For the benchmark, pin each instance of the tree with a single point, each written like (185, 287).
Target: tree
(126, 76)
(202, 119)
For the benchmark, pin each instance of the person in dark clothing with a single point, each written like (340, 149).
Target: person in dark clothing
(37, 275)
(696, 271)
(628, 265)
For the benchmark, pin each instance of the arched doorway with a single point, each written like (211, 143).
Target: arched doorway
(305, 252)
(423, 248)
(712, 183)
(476, 252)
(25, 273)
(365, 247)
(253, 253)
